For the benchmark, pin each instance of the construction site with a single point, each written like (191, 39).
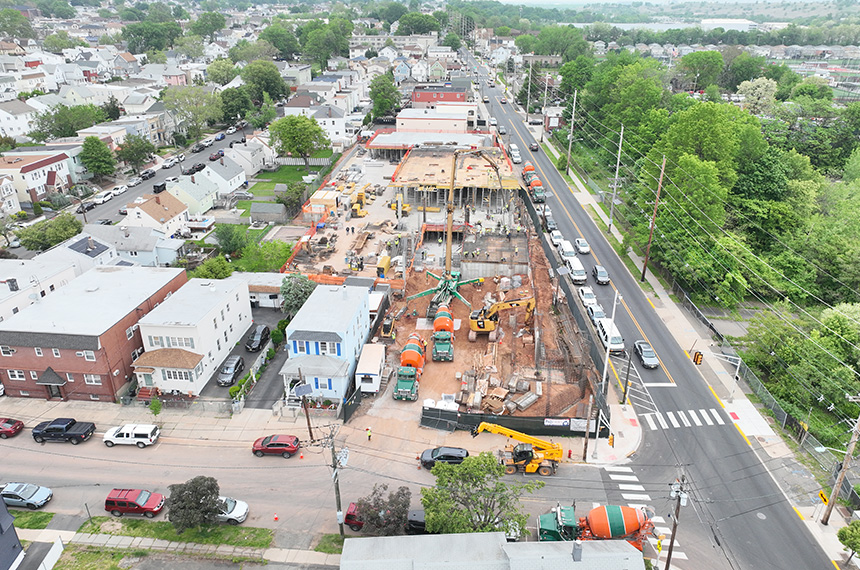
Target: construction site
(473, 324)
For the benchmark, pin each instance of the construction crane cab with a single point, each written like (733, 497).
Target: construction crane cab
(531, 455)
(485, 320)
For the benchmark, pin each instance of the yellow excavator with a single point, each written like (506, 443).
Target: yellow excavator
(532, 455)
(486, 319)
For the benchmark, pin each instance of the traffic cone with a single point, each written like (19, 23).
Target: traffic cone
(276, 517)
(301, 455)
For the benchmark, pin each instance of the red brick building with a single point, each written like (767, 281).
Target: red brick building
(424, 96)
(79, 342)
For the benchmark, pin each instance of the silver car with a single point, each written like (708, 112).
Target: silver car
(233, 512)
(26, 495)
(646, 354)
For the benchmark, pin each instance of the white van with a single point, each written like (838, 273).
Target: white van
(577, 271)
(566, 250)
(609, 335)
(514, 149)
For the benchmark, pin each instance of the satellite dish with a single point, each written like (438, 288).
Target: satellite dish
(303, 390)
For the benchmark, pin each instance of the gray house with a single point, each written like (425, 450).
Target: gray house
(11, 551)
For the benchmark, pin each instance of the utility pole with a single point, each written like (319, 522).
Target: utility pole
(627, 376)
(338, 460)
(615, 182)
(305, 407)
(680, 496)
(529, 88)
(849, 453)
(653, 219)
(570, 136)
(604, 385)
(587, 431)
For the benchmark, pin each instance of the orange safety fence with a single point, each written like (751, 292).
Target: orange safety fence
(323, 279)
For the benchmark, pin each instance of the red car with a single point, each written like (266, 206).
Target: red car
(10, 427)
(286, 445)
(216, 155)
(134, 502)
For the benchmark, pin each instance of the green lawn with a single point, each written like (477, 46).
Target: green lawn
(76, 558)
(263, 189)
(219, 534)
(284, 174)
(31, 519)
(330, 544)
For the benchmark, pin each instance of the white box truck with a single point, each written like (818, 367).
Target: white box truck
(368, 371)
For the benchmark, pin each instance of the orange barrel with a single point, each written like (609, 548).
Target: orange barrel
(535, 183)
(444, 321)
(413, 353)
(529, 167)
(614, 521)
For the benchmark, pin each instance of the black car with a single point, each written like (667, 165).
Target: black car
(415, 522)
(231, 370)
(198, 166)
(188, 171)
(600, 275)
(147, 174)
(85, 207)
(197, 148)
(105, 222)
(159, 188)
(453, 455)
(258, 338)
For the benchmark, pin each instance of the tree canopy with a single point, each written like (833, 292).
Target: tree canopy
(221, 71)
(97, 157)
(384, 95)
(46, 234)
(295, 290)
(384, 516)
(194, 107)
(208, 24)
(63, 121)
(263, 77)
(298, 135)
(135, 151)
(194, 503)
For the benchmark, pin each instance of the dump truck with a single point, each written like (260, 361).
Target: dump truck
(486, 319)
(411, 366)
(532, 455)
(609, 522)
(443, 335)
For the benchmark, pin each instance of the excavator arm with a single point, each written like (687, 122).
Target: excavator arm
(527, 302)
(549, 449)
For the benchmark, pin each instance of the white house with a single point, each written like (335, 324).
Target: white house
(29, 280)
(36, 175)
(251, 156)
(161, 212)
(333, 121)
(84, 252)
(16, 118)
(189, 335)
(420, 71)
(226, 174)
(197, 192)
(141, 246)
(325, 338)
(9, 203)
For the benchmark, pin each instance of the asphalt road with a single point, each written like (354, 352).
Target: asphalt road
(737, 516)
(110, 209)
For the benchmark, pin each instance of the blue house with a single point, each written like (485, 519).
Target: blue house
(324, 340)
(402, 72)
(11, 551)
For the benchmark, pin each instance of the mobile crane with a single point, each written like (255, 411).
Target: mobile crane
(485, 320)
(532, 455)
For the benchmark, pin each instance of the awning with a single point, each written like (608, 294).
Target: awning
(50, 378)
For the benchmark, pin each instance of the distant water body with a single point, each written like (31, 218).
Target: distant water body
(654, 27)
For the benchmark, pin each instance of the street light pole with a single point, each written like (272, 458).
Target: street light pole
(570, 136)
(604, 383)
(653, 219)
(849, 453)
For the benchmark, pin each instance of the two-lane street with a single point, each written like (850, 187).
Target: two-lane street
(737, 516)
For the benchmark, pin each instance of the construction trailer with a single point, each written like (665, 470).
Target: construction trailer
(368, 371)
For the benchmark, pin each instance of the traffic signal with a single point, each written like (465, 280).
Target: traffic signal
(611, 440)
(697, 357)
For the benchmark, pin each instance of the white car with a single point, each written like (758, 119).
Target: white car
(102, 197)
(556, 238)
(169, 163)
(587, 296)
(172, 179)
(493, 122)
(140, 435)
(234, 511)
(117, 190)
(543, 210)
(581, 246)
(135, 181)
(231, 130)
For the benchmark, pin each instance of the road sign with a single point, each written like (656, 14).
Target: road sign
(822, 496)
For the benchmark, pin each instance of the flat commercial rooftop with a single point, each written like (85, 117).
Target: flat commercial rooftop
(92, 303)
(404, 140)
(428, 166)
(195, 300)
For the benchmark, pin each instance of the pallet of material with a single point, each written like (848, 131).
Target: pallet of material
(525, 401)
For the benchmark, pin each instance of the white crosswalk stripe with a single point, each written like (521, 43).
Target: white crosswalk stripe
(635, 497)
(618, 469)
(628, 487)
(680, 419)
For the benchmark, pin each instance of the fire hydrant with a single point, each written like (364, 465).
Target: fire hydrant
(570, 454)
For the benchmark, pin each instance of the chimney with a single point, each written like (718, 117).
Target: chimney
(157, 199)
(192, 180)
(222, 162)
(90, 243)
(13, 284)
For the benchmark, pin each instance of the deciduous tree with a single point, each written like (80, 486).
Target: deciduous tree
(213, 268)
(384, 94)
(452, 40)
(283, 38)
(248, 52)
(190, 46)
(194, 503)
(849, 536)
(58, 41)
(221, 71)
(299, 136)
(63, 121)
(263, 77)
(700, 68)
(381, 515)
(472, 497)
(295, 290)
(759, 95)
(208, 24)
(48, 233)
(417, 23)
(294, 196)
(14, 24)
(194, 107)
(235, 103)
(231, 237)
(259, 118)
(135, 151)
(97, 157)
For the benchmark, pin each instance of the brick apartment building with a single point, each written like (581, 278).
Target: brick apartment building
(424, 96)
(79, 342)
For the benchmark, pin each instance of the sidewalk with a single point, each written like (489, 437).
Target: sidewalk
(226, 552)
(792, 477)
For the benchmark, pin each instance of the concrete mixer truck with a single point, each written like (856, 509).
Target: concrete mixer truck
(609, 522)
(411, 366)
(443, 335)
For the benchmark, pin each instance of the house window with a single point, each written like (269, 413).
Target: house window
(51, 287)
(218, 343)
(301, 347)
(38, 351)
(94, 396)
(222, 314)
(34, 375)
(70, 377)
(183, 375)
(129, 332)
(228, 307)
(215, 323)
(93, 379)
(6, 350)
(132, 254)
(89, 355)
(56, 352)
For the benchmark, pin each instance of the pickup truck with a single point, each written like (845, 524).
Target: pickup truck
(63, 429)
